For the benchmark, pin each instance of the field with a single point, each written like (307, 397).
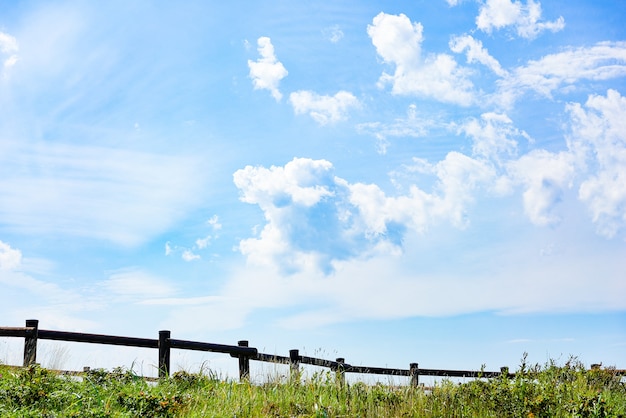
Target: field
(551, 390)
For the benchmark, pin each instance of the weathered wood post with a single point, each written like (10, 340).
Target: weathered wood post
(164, 353)
(30, 342)
(244, 363)
(340, 373)
(414, 371)
(294, 365)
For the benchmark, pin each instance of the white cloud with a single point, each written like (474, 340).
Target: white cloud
(476, 53)
(214, 221)
(296, 200)
(333, 33)
(189, 255)
(315, 219)
(544, 176)
(267, 71)
(594, 163)
(10, 258)
(493, 136)
(323, 109)
(9, 48)
(8, 44)
(202, 243)
(599, 130)
(525, 18)
(398, 42)
(603, 61)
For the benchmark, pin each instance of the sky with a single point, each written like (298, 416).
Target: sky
(430, 181)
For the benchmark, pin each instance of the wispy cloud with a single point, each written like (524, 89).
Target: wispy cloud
(267, 71)
(190, 252)
(333, 33)
(413, 125)
(603, 61)
(96, 192)
(134, 284)
(475, 52)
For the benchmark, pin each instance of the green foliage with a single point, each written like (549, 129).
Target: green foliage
(547, 391)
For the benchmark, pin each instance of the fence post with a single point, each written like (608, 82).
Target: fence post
(244, 363)
(504, 370)
(340, 373)
(164, 353)
(30, 342)
(294, 365)
(414, 371)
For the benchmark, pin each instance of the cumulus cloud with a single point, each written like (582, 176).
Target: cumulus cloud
(323, 109)
(603, 61)
(593, 162)
(300, 211)
(398, 42)
(599, 130)
(314, 219)
(10, 258)
(525, 18)
(458, 176)
(267, 71)
(476, 53)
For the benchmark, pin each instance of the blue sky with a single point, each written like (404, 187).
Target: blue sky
(440, 181)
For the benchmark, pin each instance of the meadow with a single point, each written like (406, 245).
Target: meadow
(549, 390)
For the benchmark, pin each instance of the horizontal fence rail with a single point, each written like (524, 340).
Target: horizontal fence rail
(79, 337)
(31, 333)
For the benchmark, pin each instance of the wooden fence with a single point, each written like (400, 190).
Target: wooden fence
(31, 334)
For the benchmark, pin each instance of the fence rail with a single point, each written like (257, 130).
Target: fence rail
(31, 333)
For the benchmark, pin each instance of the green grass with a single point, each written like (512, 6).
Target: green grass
(540, 391)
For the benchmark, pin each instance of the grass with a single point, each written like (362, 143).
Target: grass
(551, 390)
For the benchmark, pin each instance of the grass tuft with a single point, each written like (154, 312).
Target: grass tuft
(550, 390)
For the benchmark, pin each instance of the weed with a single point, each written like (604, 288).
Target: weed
(535, 391)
